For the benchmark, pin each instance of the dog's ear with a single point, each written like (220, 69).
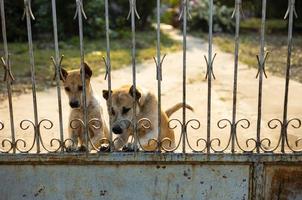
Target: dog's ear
(88, 71)
(63, 74)
(106, 94)
(138, 95)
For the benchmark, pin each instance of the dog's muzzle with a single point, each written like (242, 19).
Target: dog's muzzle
(74, 104)
(119, 127)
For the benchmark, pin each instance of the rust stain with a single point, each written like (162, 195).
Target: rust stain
(286, 183)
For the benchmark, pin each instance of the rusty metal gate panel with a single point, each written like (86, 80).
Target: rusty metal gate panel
(283, 182)
(135, 182)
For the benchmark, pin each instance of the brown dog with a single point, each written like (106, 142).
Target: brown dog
(97, 128)
(122, 114)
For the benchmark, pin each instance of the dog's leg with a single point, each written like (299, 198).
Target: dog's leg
(73, 135)
(120, 141)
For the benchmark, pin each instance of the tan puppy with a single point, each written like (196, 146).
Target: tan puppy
(122, 112)
(74, 89)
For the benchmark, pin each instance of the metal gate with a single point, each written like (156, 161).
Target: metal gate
(257, 170)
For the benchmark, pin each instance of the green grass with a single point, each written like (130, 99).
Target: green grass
(272, 25)
(276, 45)
(94, 51)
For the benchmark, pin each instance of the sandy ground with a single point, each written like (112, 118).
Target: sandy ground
(273, 95)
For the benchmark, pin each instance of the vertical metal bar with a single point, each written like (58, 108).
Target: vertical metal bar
(79, 13)
(8, 79)
(29, 15)
(184, 63)
(287, 76)
(210, 41)
(258, 180)
(58, 69)
(158, 68)
(133, 55)
(236, 53)
(261, 70)
(108, 71)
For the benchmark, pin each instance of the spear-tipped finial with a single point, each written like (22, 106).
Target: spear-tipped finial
(81, 8)
(27, 8)
(132, 8)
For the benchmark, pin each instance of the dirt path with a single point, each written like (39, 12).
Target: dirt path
(273, 90)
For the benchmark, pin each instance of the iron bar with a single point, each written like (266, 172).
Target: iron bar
(159, 76)
(57, 65)
(236, 53)
(29, 15)
(209, 72)
(108, 71)
(260, 75)
(8, 76)
(133, 13)
(78, 14)
(183, 15)
(290, 15)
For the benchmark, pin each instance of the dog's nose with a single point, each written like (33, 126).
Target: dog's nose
(74, 104)
(117, 130)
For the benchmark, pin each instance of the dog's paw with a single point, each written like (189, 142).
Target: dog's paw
(105, 148)
(82, 148)
(70, 149)
(130, 147)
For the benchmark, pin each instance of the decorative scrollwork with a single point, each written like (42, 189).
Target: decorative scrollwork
(92, 123)
(7, 141)
(48, 125)
(171, 126)
(146, 124)
(272, 124)
(222, 124)
(296, 124)
(95, 123)
(1, 125)
(195, 124)
(245, 124)
(24, 125)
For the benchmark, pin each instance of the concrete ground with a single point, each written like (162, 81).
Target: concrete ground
(273, 97)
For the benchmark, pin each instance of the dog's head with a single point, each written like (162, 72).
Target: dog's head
(121, 112)
(72, 81)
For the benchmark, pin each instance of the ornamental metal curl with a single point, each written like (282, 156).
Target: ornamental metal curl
(295, 126)
(48, 125)
(145, 124)
(95, 124)
(222, 124)
(245, 125)
(170, 126)
(25, 125)
(195, 126)
(272, 124)
(4, 141)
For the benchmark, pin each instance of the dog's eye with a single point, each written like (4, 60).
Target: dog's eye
(80, 88)
(125, 110)
(112, 111)
(67, 89)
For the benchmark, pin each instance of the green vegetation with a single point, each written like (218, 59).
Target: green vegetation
(272, 25)
(276, 45)
(94, 51)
